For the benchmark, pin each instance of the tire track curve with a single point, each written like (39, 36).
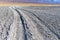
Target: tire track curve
(44, 23)
(27, 34)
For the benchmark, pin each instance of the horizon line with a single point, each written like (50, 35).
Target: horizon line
(26, 4)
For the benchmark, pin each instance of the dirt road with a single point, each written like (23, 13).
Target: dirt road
(30, 23)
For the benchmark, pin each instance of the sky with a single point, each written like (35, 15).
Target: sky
(34, 1)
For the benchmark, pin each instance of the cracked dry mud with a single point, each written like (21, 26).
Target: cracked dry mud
(30, 23)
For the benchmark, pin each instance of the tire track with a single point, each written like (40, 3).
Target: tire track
(44, 23)
(6, 20)
(27, 34)
(7, 33)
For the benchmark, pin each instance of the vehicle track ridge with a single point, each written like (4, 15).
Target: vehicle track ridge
(44, 23)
